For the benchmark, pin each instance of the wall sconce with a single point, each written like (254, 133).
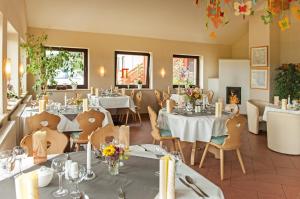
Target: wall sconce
(8, 68)
(21, 69)
(102, 71)
(163, 73)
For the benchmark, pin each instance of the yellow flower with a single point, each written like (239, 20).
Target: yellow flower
(109, 150)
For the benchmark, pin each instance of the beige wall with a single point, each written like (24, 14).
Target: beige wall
(101, 53)
(240, 49)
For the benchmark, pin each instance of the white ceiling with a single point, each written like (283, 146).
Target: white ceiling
(165, 19)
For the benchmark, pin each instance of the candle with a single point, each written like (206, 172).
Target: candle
(85, 105)
(169, 90)
(289, 100)
(66, 99)
(123, 91)
(97, 92)
(276, 100)
(74, 170)
(67, 169)
(42, 106)
(284, 104)
(92, 90)
(218, 109)
(89, 156)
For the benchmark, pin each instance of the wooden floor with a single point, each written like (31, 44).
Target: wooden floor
(270, 175)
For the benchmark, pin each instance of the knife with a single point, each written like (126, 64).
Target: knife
(189, 186)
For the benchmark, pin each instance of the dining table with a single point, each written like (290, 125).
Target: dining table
(273, 108)
(112, 101)
(68, 122)
(138, 177)
(193, 127)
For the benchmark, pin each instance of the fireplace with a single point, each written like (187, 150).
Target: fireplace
(233, 95)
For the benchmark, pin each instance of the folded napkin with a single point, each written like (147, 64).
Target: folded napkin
(167, 178)
(39, 147)
(27, 186)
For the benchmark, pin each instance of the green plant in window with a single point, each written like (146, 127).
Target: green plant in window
(287, 82)
(46, 66)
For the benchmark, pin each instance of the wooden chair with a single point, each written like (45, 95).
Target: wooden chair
(108, 133)
(56, 142)
(233, 108)
(235, 126)
(162, 135)
(41, 120)
(132, 93)
(125, 111)
(158, 98)
(138, 105)
(88, 121)
(210, 96)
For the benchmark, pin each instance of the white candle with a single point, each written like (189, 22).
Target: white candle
(218, 109)
(97, 92)
(42, 106)
(284, 104)
(74, 170)
(85, 106)
(67, 168)
(289, 99)
(88, 156)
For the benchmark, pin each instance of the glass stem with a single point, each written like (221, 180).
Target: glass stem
(20, 166)
(76, 188)
(60, 181)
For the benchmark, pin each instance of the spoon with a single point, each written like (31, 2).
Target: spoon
(191, 182)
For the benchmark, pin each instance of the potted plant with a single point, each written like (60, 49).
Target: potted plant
(139, 84)
(73, 84)
(42, 64)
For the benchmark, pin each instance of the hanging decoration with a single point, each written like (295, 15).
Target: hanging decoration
(284, 23)
(244, 9)
(296, 11)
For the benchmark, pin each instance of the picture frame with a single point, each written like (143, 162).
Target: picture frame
(259, 56)
(259, 78)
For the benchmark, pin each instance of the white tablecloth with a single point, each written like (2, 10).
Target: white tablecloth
(113, 102)
(277, 109)
(65, 124)
(182, 192)
(194, 128)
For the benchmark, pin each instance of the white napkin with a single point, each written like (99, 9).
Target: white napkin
(166, 178)
(27, 186)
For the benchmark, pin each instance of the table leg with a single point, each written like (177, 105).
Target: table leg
(193, 154)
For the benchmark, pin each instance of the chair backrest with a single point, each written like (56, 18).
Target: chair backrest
(260, 104)
(89, 121)
(158, 98)
(43, 119)
(108, 133)
(233, 108)
(235, 126)
(138, 99)
(132, 93)
(153, 119)
(56, 142)
(166, 96)
(210, 96)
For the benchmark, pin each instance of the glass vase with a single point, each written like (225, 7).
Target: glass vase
(113, 167)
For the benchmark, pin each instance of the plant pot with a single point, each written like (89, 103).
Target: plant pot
(74, 86)
(139, 86)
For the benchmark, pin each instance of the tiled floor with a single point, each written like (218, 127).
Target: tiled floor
(270, 175)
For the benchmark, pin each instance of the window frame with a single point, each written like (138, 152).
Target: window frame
(147, 85)
(85, 64)
(197, 67)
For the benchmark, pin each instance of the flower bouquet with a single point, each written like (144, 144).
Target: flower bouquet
(193, 94)
(113, 154)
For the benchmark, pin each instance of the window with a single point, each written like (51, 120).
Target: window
(74, 71)
(131, 68)
(185, 70)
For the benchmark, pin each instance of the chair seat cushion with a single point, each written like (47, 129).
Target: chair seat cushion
(218, 140)
(165, 133)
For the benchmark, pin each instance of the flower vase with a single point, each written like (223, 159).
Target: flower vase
(113, 167)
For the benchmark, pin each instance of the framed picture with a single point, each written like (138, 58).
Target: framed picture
(259, 78)
(259, 56)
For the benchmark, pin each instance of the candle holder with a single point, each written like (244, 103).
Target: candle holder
(90, 175)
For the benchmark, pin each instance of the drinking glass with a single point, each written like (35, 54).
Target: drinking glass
(33, 103)
(7, 161)
(20, 153)
(75, 179)
(178, 160)
(58, 165)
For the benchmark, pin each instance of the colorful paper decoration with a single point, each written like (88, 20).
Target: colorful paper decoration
(215, 13)
(284, 23)
(244, 9)
(267, 17)
(296, 11)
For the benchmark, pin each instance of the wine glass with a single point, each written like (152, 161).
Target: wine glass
(20, 153)
(58, 165)
(33, 103)
(76, 175)
(178, 160)
(7, 161)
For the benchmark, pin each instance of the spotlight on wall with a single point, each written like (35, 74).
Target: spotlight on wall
(102, 71)
(8, 68)
(163, 73)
